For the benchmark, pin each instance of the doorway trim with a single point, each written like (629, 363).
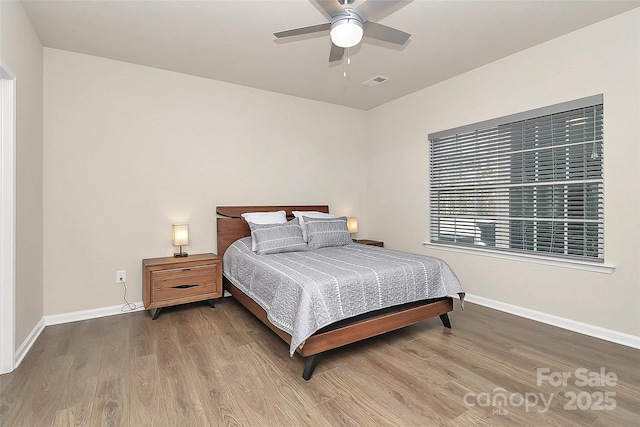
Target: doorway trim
(7, 217)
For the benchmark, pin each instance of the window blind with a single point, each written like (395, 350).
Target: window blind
(531, 183)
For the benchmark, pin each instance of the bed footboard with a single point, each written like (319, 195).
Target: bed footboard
(350, 332)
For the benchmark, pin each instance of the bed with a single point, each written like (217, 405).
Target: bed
(256, 282)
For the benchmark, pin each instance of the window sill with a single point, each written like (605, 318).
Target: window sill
(536, 259)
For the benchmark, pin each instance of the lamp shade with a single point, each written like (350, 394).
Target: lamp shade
(352, 225)
(180, 234)
(346, 32)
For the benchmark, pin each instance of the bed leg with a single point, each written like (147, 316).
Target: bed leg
(445, 320)
(309, 366)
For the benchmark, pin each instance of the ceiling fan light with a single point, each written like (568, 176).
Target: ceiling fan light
(346, 32)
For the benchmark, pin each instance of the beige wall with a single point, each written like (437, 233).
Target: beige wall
(22, 52)
(603, 58)
(129, 150)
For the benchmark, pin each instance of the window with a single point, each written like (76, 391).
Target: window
(527, 183)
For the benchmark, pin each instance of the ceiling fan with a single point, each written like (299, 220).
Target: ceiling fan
(348, 24)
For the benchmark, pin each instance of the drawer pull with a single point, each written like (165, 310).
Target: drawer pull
(184, 286)
(186, 269)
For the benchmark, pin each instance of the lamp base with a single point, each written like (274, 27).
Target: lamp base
(180, 255)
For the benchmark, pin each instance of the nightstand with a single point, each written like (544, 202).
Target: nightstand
(171, 281)
(369, 242)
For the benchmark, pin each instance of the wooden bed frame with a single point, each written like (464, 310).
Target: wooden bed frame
(232, 227)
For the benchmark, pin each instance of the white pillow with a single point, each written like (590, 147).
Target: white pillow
(278, 217)
(310, 214)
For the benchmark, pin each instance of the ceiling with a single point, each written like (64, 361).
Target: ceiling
(232, 40)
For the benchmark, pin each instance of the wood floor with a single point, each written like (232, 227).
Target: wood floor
(197, 366)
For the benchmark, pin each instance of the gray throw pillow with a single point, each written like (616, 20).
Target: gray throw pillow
(278, 238)
(326, 232)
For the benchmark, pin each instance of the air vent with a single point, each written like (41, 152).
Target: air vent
(375, 81)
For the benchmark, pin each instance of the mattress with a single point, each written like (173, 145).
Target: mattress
(302, 292)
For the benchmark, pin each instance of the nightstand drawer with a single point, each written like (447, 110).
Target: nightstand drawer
(183, 276)
(202, 290)
(183, 282)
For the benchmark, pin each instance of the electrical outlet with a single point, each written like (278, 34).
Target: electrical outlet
(121, 275)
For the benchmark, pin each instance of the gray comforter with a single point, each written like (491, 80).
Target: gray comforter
(303, 292)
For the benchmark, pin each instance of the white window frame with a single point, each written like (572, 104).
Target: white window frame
(462, 227)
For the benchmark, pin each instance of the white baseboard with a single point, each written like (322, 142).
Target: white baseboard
(56, 319)
(28, 343)
(561, 322)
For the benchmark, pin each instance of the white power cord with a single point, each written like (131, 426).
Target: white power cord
(127, 306)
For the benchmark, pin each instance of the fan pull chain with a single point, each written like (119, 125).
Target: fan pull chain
(345, 63)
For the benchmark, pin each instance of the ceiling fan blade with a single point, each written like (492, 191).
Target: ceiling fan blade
(374, 10)
(332, 7)
(384, 33)
(336, 53)
(303, 30)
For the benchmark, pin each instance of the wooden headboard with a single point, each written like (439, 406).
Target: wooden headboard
(232, 227)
